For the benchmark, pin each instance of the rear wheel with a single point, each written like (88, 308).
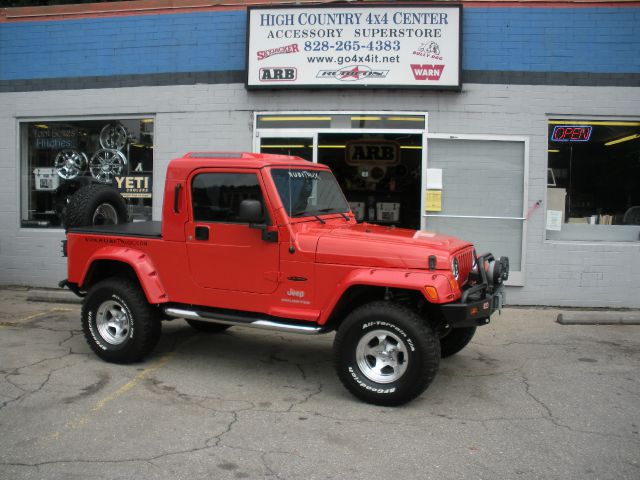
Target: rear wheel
(455, 339)
(385, 353)
(118, 323)
(207, 327)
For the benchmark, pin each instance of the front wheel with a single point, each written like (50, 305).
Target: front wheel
(118, 323)
(385, 353)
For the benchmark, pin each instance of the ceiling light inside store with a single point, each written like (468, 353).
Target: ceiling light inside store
(41, 125)
(623, 139)
(407, 119)
(291, 119)
(281, 146)
(553, 151)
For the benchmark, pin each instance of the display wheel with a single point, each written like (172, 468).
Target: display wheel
(113, 136)
(70, 163)
(106, 164)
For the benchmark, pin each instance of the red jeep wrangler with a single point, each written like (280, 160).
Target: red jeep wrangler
(269, 241)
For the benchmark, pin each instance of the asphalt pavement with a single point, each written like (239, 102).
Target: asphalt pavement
(527, 399)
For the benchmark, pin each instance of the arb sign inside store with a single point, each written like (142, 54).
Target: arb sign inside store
(352, 46)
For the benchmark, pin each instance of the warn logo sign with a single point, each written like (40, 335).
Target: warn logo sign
(427, 72)
(278, 74)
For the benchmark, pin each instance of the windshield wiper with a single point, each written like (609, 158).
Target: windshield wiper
(302, 213)
(328, 210)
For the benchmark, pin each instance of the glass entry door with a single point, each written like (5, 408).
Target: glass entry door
(380, 174)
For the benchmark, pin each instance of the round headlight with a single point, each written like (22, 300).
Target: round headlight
(455, 268)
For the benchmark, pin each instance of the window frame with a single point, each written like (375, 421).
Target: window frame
(19, 120)
(574, 119)
(204, 171)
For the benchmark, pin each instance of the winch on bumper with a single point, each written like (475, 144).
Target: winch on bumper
(483, 296)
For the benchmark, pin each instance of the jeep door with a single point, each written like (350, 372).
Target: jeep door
(223, 252)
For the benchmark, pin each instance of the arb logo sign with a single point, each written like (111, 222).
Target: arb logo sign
(427, 72)
(273, 74)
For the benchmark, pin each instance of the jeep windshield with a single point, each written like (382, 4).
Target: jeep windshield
(307, 193)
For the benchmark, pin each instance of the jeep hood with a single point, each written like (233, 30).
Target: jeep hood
(378, 246)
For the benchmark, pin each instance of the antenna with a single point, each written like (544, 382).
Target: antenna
(291, 249)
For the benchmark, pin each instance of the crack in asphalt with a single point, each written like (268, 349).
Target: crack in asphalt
(551, 418)
(16, 372)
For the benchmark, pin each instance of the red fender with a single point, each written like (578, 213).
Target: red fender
(407, 280)
(141, 264)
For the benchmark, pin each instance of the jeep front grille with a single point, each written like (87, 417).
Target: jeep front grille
(465, 263)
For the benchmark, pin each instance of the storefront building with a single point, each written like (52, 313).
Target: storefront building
(513, 125)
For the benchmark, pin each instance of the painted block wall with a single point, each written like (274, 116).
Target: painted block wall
(585, 41)
(220, 117)
(596, 40)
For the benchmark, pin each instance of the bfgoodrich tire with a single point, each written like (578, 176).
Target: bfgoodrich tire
(207, 327)
(95, 204)
(455, 340)
(385, 353)
(118, 323)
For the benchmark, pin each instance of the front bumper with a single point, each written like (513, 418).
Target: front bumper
(483, 298)
(473, 313)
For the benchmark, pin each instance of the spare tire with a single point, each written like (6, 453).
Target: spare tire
(95, 204)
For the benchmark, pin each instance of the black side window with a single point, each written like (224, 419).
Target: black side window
(216, 196)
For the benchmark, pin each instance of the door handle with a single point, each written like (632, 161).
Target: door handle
(202, 233)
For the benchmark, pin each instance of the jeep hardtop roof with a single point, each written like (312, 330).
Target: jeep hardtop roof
(181, 167)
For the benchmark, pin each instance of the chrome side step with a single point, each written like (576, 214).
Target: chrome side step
(229, 319)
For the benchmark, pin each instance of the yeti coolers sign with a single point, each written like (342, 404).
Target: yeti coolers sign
(352, 46)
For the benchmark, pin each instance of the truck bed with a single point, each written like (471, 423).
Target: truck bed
(134, 229)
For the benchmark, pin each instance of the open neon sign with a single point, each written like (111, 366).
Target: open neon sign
(571, 133)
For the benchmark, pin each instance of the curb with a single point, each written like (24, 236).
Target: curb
(52, 296)
(599, 318)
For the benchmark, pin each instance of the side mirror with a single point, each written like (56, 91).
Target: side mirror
(250, 211)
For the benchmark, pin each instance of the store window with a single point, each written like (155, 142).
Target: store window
(60, 157)
(593, 180)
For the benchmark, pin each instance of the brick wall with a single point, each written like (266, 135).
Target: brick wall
(588, 40)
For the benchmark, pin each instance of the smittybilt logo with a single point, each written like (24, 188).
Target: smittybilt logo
(427, 72)
(353, 73)
(295, 293)
(278, 74)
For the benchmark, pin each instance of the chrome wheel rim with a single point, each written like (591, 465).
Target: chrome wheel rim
(107, 164)
(113, 322)
(105, 214)
(382, 356)
(113, 136)
(70, 163)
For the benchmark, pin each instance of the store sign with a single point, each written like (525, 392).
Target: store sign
(138, 186)
(571, 133)
(368, 46)
(51, 138)
(372, 152)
